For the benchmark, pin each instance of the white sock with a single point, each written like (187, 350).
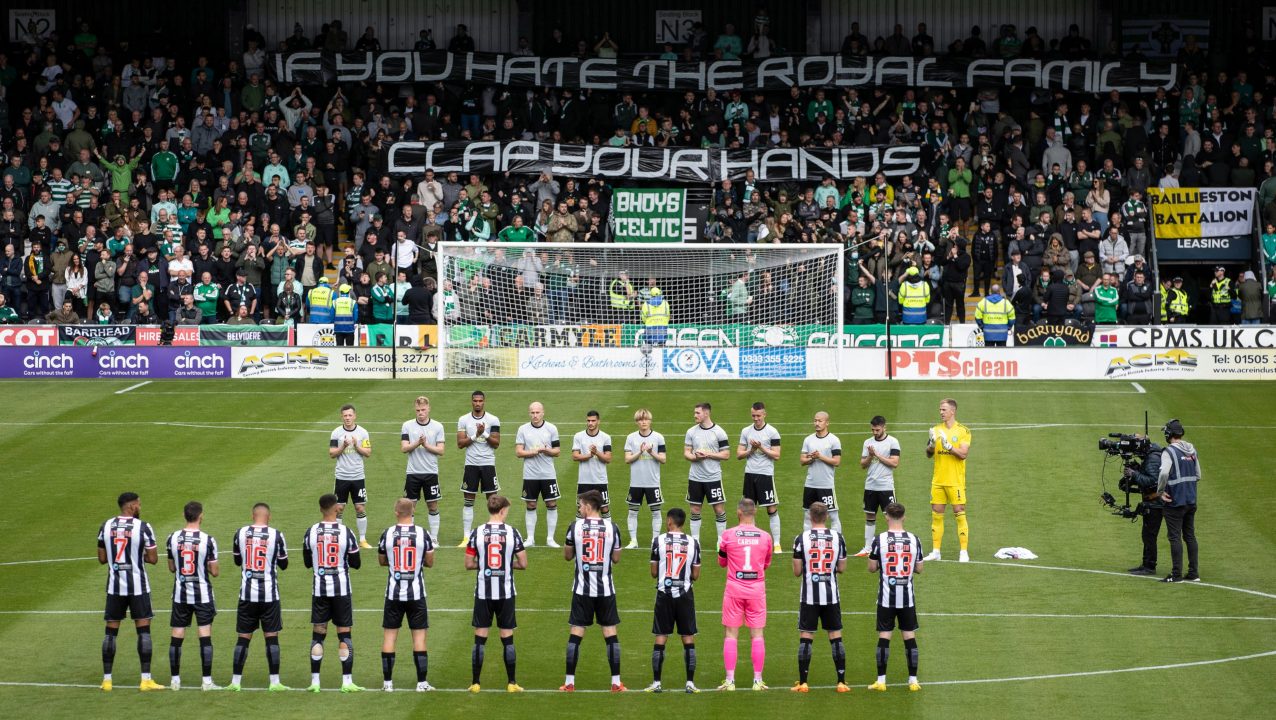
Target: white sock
(834, 521)
(529, 519)
(314, 678)
(208, 679)
(721, 527)
(347, 680)
(571, 680)
(434, 525)
(695, 529)
(362, 522)
(870, 529)
(551, 522)
(106, 676)
(146, 676)
(656, 524)
(912, 679)
(881, 679)
(775, 528)
(235, 679)
(806, 520)
(633, 525)
(467, 518)
(274, 679)
(731, 676)
(615, 679)
(757, 676)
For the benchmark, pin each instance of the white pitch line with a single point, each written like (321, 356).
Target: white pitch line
(635, 611)
(42, 562)
(673, 688)
(1114, 671)
(132, 387)
(1247, 591)
(1139, 388)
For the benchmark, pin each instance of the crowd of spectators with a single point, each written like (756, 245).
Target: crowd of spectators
(130, 182)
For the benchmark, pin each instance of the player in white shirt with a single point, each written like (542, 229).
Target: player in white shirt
(880, 457)
(645, 452)
(478, 433)
(759, 447)
(349, 445)
(537, 445)
(422, 440)
(591, 449)
(821, 455)
(705, 447)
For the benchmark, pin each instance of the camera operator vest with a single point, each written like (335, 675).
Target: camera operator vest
(1185, 471)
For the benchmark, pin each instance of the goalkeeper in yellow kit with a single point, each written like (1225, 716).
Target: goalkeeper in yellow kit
(949, 444)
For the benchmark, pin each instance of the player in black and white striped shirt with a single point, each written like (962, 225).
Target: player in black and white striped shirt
(819, 556)
(495, 549)
(594, 543)
(897, 554)
(406, 549)
(331, 549)
(675, 564)
(127, 545)
(192, 558)
(261, 552)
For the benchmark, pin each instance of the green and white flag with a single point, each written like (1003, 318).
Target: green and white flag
(651, 215)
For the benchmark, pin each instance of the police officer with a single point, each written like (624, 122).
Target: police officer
(344, 311)
(1221, 293)
(1180, 472)
(319, 302)
(1146, 476)
(1175, 305)
(620, 292)
(914, 296)
(995, 315)
(655, 318)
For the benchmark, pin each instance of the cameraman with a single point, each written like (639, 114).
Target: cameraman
(1145, 477)
(1180, 472)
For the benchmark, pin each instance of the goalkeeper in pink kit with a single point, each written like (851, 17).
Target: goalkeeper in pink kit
(745, 551)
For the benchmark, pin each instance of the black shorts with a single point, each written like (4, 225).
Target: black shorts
(480, 478)
(336, 610)
(180, 615)
(254, 614)
(351, 491)
(699, 493)
(543, 489)
(136, 606)
(875, 500)
(502, 610)
(422, 487)
(652, 495)
(674, 615)
(823, 495)
(418, 614)
(326, 235)
(886, 618)
(586, 609)
(760, 489)
(812, 617)
(601, 489)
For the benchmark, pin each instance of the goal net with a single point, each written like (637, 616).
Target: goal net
(634, 310)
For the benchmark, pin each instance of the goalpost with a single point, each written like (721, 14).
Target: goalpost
(576, 310)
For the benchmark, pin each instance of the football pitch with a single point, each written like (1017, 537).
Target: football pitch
(1064, 636)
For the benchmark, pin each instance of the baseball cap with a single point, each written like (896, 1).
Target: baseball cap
(345, 287)
(1178, 279)
(323, 281)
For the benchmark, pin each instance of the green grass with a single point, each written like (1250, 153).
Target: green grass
(70, 447)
